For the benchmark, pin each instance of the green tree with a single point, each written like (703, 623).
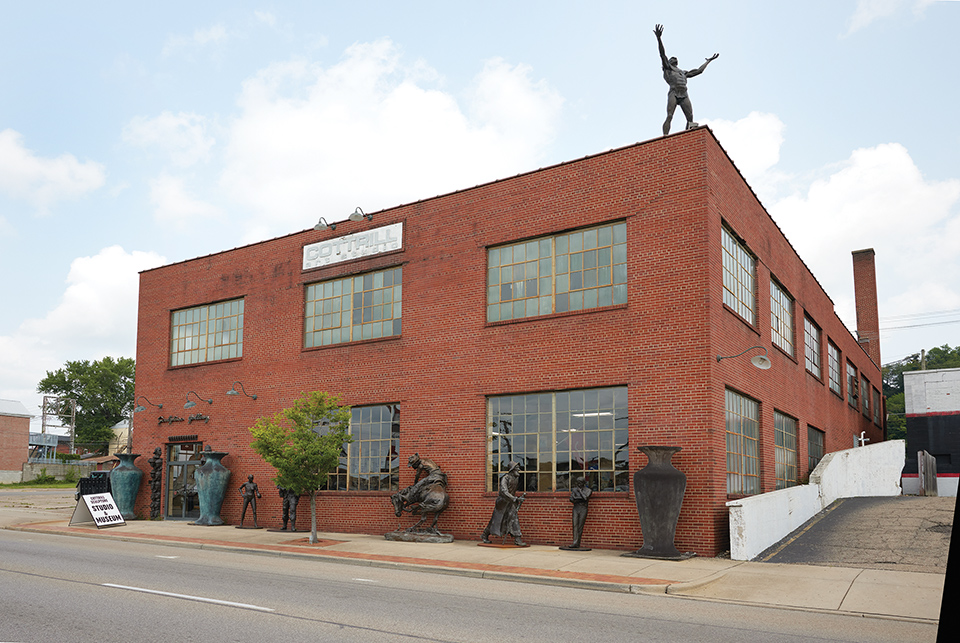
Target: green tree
(896, 419)
(104, 394)
(303, 443)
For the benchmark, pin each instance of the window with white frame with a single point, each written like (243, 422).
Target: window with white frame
(781, 318)
(833, 368)
(560, 436)
(739, 277)
(206, 333)
(371, 462)
(350, 309)
(743, 451)
(785, 449)
(572, 271)
(811, 347)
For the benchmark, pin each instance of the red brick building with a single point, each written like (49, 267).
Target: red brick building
(560, 318)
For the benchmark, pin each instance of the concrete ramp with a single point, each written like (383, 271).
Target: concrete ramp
(901, 533)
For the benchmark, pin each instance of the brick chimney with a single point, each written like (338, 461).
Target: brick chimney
(865, 293)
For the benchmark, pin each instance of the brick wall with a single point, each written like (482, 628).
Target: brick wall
(14, 441)
(672, 193)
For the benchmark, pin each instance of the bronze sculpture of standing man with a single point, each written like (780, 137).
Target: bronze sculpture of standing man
(677, 79)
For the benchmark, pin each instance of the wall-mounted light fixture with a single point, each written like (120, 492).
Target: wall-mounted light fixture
(190, 405)
(141, 407)
(233, 390)
(760, 361)
(323, 225)
(360, 215)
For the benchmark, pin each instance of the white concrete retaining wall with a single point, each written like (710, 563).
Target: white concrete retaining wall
(946, 485)
(760, 521)
(10, 477)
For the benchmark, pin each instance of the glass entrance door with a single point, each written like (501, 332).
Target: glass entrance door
(182, 463)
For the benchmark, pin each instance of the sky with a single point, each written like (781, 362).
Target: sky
(136, 136)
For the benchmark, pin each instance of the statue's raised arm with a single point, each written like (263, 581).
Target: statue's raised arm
(658, 30)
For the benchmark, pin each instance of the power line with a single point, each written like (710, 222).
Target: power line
(939, 323)
(933, 313)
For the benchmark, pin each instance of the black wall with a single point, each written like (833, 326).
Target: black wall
(938, 435)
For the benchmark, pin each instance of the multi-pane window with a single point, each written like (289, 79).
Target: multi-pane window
(853, 386)
(876, 407)
(833, 368)
(350, 309)
(785, 449)
(781, 318)
(207, 333)
(743, 431)
(815, 440)
(739, 277)
(557, 437)
(811, 346)
(575, 271)
(371, 461)
(865, 396)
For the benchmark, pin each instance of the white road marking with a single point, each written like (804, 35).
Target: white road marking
(170, 557)
(366, 580)
(192, 598)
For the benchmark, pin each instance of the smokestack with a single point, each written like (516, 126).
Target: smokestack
(865, 293)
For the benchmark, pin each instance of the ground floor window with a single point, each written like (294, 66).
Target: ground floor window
(559, 436)
(743, 431)
(183, 460)
(785, 448)
(371, 462)
(814, 447)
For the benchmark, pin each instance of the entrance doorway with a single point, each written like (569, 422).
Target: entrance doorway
(182, 462)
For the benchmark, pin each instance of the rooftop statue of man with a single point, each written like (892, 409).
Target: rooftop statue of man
(677, 80)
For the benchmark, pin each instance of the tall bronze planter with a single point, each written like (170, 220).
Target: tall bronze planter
(658, 489)
(212, 480)
(125, 483)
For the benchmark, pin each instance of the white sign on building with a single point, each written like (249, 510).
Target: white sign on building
(353, 246)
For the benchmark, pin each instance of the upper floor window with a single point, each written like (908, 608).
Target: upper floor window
(853, 385)
(833, 368)
(206, 333)
(743, 440)
(865, 396)
(371, 462)
(739, 277)
(350, 309)
(781, 318)
(574, 271)
(811, 347)
(876, 407)
(561, 436)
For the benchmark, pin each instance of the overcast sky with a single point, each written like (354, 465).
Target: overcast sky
(134, 136)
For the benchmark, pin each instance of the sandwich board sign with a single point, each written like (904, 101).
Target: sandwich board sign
(98, 508)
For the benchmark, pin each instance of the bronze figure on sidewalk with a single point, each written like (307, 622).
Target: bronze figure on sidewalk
(677, 80)
(290, 500)
(426, 496)
(579, 496)
(250, 492)
(505, 520)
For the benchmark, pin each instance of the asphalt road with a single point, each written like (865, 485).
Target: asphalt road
(77, 589)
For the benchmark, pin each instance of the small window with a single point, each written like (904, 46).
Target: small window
(785, 447)
(207, 333)
(865, 396)
(833, 365)
(815, 442)
(811, 347)
(739, 277)
(876, 407)
(853, 386)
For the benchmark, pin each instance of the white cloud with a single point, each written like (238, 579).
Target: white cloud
(869, 11)
(173, 205)
(42, 182)
(216, 35)
(753, 142)
(266, 17)
(370, 131)
(96, 316)
(183, 136)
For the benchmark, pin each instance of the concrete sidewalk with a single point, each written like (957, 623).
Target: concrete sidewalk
(840, 590)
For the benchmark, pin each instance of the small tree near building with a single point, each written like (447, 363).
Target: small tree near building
(303, 443)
